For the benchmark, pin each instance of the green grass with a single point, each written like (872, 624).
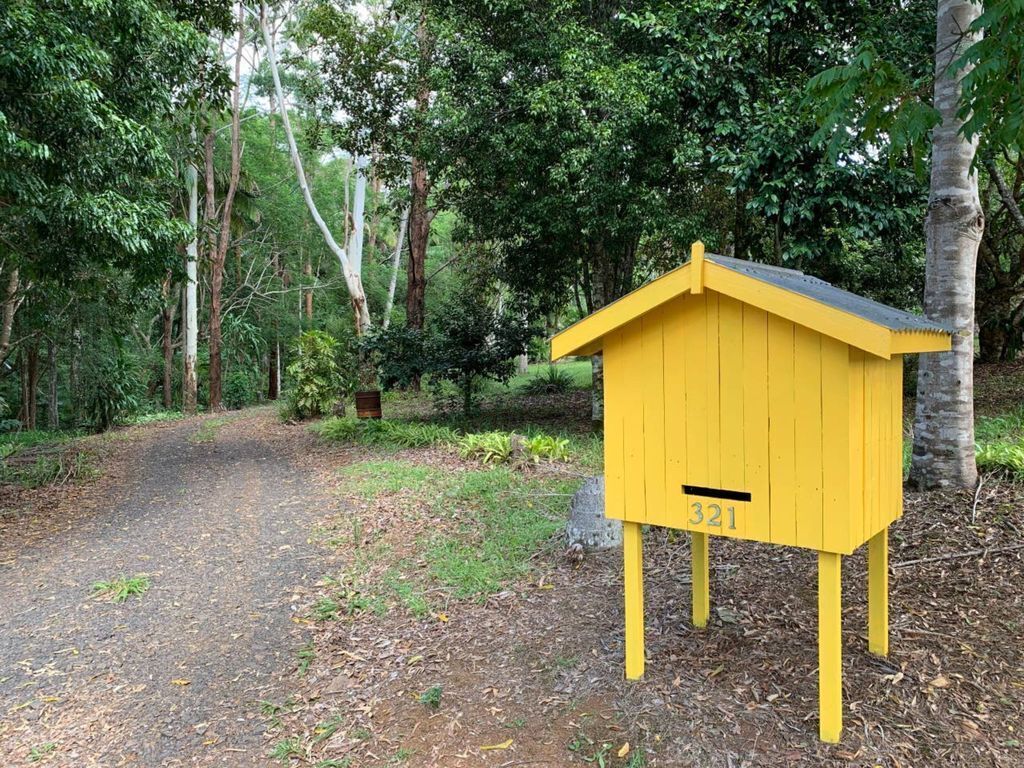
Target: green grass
(47, 469)
(286, 749)
(120, 589)
(580, 371)
(503, 521)
(38, 753)
(369, 479)
(208, 429)
(388, 434)
(999, 442)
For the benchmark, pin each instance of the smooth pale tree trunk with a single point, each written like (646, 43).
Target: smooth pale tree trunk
(190, 312)
(396, 259)
(219, 255)
(943, 453)
(12, 300)
(353, 279)
(52, 404)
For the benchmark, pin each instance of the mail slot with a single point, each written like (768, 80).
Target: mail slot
(759, 403)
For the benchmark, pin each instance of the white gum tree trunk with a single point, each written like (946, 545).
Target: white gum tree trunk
(349, 267)
(396, 259)
(944, 420)
(190, 313)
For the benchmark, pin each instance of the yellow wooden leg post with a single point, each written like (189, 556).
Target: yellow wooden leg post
(878, 593)
(701, 589)
(830, 646)
(633, 559)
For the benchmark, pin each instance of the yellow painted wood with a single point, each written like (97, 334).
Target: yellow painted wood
(673, 342)
(904, 342)
(634, 467)
(830, 646)
(633, 581)
(615, 405)
(696, 393)
(782, 430)
(697, 267)
(797, 308)
(896, 393)
(731, 378)
(808, 437)
(700, 576)
(585, 336)
(712, 380)
(878, 593)
(653, 406)
(836, 448)
(876, 412)
(858, 501)
(756, 524)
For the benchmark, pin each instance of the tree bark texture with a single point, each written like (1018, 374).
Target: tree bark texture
(943, 453)
(190, 312)
(220, 253)
(396, 259)
(167, 341)
(12, 300)
(52, 402)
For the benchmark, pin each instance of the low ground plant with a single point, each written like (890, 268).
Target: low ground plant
(120, 589)
(391, 434)
(999, 442)
(552, 381)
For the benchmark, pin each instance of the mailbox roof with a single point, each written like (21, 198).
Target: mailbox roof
(868, 325)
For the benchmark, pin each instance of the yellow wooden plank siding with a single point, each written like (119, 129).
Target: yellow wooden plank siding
(712, 378)
(757, 514)
(876, 420)
(797, 308)
(614, 434)
(696, 370)
(585, 337)
(674, 366)
(836, 448)
(807, 447)
(858, 500)
(653, 407)
(919, 341)
(782, 430)
(732, 374)
(896, 393)
(632, 382)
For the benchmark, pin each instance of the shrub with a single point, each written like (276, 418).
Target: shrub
(488, 447)
(472, 342)
(541, 447)
(399, 355)
(241, 388)
(316, 380)
(553, 381)
(115, 391)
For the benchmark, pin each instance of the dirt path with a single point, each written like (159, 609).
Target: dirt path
(219, 514)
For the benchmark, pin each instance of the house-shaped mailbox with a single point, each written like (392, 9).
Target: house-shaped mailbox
(760, 403)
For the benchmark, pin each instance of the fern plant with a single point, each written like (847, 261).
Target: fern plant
(316, 379)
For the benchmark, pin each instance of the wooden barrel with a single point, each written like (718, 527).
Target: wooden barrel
(368, 404)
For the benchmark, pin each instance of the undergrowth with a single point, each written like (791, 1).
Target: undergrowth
(999, 442)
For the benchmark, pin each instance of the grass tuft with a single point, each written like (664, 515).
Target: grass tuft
(120, 589)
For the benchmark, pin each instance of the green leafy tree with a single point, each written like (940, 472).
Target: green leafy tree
(317, 381)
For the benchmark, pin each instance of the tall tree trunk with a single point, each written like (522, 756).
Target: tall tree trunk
(190, 312)
(943, 453)
(396, 259)
(73, 367)
(29, 385)
(12, 300)
(52, 404)
(353, 278)
(307, 291)
(220, 254)
(419, 215)
(273, 384)
(167, 340)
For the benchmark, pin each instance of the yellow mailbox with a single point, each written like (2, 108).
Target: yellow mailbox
(760, 403)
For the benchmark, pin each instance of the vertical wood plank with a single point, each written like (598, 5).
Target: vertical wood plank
(674, 343)
(830, 646)
(700, 571)
(781, 432)
(633, 583)
(633, 423)
(695, 321)
(712, 381)
(878, 593)
(807, 388)
(654, 416)
(731, 412)
(858, 507)
(836, 449)
(872, 441)
(614, 394)
(896, 392)
(757, 525)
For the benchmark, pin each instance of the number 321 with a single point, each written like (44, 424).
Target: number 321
(714, 518)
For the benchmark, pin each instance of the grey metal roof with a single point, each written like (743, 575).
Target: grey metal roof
(813, 288)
